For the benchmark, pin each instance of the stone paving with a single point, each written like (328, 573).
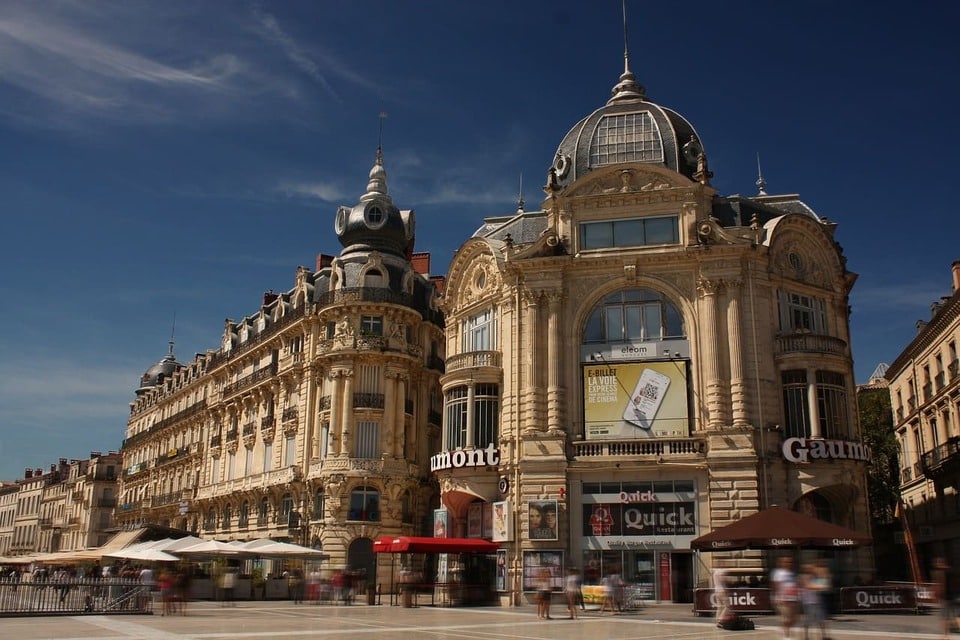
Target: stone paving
(284, 620)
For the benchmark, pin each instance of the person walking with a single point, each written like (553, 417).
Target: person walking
(544, 588)
(783, 582)
(572, 591)
(940, 575)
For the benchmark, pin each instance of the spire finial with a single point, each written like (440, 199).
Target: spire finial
(761, 183)
(627, 88)
(173, 333)
(377, 185)
(626, 47)
(520, 196)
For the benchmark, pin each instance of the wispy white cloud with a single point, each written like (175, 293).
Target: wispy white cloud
(325, 191)
(271, 31)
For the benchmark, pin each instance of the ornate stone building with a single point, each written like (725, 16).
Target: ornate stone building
(642, 360)
(315, 419)
(925, 397)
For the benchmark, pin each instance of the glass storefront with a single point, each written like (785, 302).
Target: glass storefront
(638, 534)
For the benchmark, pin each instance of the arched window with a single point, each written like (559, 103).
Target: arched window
(244, 518)
(364, 504)
(211, 521)
(227, 516)
(633, 315)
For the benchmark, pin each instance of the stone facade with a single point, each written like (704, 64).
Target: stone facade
(314, 420)
(648, 356)
(924, 384)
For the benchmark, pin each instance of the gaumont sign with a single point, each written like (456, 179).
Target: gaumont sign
(489, 457)
(811, 449)
(879, 599)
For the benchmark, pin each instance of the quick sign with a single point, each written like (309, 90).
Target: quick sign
(640, 518)
(812, 449)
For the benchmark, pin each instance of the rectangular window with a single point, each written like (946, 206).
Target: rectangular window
(248, 462)
(634, 232)
(367, 443)
(370, 379)
(796, 420)
(371, 325)
(479, 332)
(456, 419)
(215, 470)
(486, 415)
(324, 439)
(267, 456)
(231, 464)
(802, 313)
(832, 405)
(289, 451)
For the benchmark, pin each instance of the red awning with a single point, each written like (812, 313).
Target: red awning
(410, 544)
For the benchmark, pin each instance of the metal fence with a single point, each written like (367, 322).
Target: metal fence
(72, 596)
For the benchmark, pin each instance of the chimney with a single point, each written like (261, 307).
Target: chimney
(421, 263)
(269, 297)
(324, 261)
(27, 474)
(53, 468)
(38, 472)
(955, 269)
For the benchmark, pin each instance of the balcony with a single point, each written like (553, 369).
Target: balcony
(435, 418)
(473, 360)
(215, 441)
(268, 422)
(221, 357)
(942, 459)
(175, 497)
(45, 523)
(107, 503)
(249, 429)
(258, 481)
(368, 400)
(249, 381)
(172, 454)
(232, 435)
(290, 413)
(653, 450)
(809, 343)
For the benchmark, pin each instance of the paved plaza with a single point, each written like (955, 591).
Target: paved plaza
(284, 620)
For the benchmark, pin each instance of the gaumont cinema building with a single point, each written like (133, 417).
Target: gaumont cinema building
(597, 382)
(641, 360)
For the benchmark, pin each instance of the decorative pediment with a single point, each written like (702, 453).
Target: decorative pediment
(625, 181)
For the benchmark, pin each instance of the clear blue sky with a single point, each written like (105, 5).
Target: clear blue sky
(181, 158)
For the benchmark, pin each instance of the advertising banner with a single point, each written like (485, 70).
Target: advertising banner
(636, 400)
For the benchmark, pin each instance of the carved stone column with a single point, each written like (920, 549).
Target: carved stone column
(400, 420)
(389, 410)
(346, 420)
(708, 290)
(554, 362)
(738, 398)
(813, 408)
(531, 351)
(336, 412)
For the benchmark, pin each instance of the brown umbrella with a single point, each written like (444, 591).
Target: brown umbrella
(779, 528)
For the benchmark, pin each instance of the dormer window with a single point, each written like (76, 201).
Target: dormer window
(627, 137)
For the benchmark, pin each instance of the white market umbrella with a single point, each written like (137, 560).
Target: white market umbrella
(210, 548)
(273, 548)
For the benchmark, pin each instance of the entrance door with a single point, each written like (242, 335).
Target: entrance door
(360, 557)
(681, 577)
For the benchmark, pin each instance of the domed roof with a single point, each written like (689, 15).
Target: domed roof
(628, 128)
(375, 223)
(162, 370)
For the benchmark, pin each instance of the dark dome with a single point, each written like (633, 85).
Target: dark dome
(628, 128)
(375, 223)
(155, 375)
